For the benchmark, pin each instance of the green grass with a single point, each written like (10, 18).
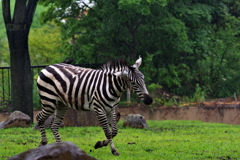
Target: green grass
(162, 140)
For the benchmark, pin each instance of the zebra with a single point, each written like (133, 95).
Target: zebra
(63, 85)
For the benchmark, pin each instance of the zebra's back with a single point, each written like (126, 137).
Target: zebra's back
(73, 86)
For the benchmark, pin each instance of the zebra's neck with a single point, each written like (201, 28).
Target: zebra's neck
(117, 83)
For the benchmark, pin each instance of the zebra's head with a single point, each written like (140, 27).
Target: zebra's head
(136, 81)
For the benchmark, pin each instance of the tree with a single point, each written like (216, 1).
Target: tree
(17, 28)
(184, 43)
(213, 37)
(108, 29)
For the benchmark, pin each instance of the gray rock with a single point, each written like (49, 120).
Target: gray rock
(54, 151)
(16, 119)
(2, 124)
(47, 123)
(135, 121)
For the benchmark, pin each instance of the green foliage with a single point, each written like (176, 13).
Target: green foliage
(5, 91)
(182, 42)
(110, 29)
(153, 87)
(155, 92)
(199, 95)
(162, 140)
(44, 45)
(212, 45)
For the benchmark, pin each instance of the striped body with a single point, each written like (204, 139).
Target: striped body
(79, 88)
(62, 85)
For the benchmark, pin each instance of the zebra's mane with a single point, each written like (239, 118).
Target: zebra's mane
(114, 66)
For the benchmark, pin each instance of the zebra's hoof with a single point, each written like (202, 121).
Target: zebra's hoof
(115, 153)
(98, 145)
(42, 144)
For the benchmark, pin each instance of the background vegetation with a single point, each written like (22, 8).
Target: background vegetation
(189, 47)
(182, 140)
(184, 43)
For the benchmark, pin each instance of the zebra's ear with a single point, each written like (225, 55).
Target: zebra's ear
(120, 73)
(138, 62)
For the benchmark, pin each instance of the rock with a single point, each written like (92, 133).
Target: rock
(135, 121)
(2, 124)
(54, 151)
(16, 119)
(47, 123)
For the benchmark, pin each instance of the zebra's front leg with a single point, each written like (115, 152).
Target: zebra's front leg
(104, 124)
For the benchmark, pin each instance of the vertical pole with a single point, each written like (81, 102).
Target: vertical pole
(3, 85)
(128, 96)
(9, 85)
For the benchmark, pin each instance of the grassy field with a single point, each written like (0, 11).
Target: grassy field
(162, 140)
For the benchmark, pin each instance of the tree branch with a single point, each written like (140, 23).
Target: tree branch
(91, 10)
(6, 11)
(225, 52)
(31, 7)
(19, 12)
(86, 5)
(138, 24)
(126, 44)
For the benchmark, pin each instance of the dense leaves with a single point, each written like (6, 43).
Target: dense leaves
(184, 43)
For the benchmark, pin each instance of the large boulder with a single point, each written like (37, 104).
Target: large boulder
(135, 121)
(16, 119)
(48, 123)
(54, 151)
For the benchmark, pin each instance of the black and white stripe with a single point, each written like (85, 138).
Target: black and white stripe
(62, 85)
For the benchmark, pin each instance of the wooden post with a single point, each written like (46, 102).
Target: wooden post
(128, 96)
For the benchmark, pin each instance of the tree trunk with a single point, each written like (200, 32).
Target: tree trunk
(17, 27)
(21, 75)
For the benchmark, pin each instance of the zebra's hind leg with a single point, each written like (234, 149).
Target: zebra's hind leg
(41, 117)
(60, 113)
(104, 124)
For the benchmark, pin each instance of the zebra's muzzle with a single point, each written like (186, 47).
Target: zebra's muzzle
(147, 99)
